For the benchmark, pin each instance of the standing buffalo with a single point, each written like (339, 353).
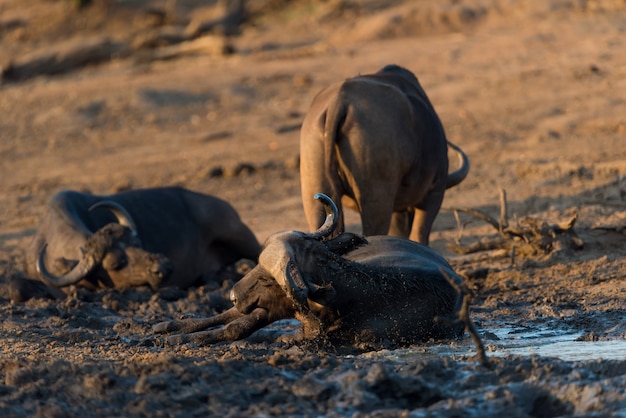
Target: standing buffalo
(348, 290)
(158, 237)
(376, 141)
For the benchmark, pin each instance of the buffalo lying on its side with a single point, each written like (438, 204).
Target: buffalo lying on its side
(376, 141)
(348, 290)
(158, 237)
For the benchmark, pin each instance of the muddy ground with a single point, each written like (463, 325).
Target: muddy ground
(533, 91)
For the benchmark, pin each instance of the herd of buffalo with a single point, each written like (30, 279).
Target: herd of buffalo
(374, 143)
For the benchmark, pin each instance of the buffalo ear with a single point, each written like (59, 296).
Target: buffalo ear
(345, 243)
(295, 286)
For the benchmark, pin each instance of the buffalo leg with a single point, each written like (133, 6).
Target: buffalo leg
(186, 326)
(238, 329)
(425, 216)
(401, 223)
(375, 215)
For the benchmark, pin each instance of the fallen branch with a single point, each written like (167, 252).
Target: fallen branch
(530, 237)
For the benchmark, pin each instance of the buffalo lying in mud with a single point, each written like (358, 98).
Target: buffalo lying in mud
(158, 237)
(349, 290)
(376, 141)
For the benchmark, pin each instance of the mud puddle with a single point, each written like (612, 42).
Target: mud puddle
(545, 342)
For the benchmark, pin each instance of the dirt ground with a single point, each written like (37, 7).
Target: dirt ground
(534, 92)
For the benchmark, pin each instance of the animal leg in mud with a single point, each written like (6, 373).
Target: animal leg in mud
(237, 329)
(186, 326)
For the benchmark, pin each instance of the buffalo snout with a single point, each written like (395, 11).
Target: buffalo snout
(141, 268)
(259, 290)
(160, 270)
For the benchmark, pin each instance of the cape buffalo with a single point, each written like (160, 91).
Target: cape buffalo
(376, 141)
(158, 237)
(348, 290)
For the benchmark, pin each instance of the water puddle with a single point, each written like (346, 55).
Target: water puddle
(502, 341)
(519, 341)
(553, 343)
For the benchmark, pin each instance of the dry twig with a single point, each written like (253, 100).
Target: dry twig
(530, 237)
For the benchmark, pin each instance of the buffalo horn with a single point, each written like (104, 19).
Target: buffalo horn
(82, 269)
(122, 215)
(332, 214)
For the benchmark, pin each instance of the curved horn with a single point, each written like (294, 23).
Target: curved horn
(82, 269)
(122, 215)
(459, 175)
(332, 214)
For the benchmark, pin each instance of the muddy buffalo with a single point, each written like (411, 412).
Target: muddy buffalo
(376, 141)
(158, 237)
(348, 290)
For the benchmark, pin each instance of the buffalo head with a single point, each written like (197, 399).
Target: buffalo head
(277, 274)
(113, 256)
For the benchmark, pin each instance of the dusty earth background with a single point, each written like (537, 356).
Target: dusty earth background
(534, 92)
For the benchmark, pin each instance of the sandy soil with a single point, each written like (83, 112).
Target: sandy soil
(532, 91)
